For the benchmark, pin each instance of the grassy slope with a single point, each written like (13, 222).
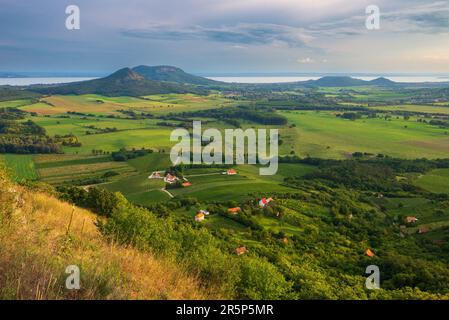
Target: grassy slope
(36, 248)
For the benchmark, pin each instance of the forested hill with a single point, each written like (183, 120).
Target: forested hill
(172, 74)
(124, 82)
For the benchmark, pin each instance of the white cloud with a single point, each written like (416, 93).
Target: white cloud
(306, 60)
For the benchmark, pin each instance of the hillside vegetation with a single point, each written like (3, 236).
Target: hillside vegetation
(40, 236)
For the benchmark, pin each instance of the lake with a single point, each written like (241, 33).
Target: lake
(32, 80)
(230, 79)
(283, 79)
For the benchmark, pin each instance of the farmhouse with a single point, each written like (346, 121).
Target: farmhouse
(423, 230)
(169, 178)
(234, 210)
(186, 184)
(241, 250)
(199, 217)
(411, 219)
(156, 175)
(264, 202)
(230, 172)
(205, 212)
(369, 253)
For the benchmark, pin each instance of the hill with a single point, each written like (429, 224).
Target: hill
(40, 236)
(124, 82)
(381, 81)
(172, 74)
(336, 81)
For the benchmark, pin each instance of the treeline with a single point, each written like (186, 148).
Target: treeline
(16, 93)
(123, 154)
(398, 165)
(25, 138)
(263, 116)
(12, 114)
(28, 144)
(373, 174)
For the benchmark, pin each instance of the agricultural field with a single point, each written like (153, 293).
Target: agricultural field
(71, 169)
(434, 181)
(428, 109)
(97, 104)
(212, 184)
(129, 133)
(322, 134)
(15, 103)
(21, 166)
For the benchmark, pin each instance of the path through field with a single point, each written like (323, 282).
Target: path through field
(168, 192)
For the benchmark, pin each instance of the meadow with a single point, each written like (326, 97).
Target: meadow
(21, 166)
(434, 181)
(323, 134)
(98, 104)
(428, 109)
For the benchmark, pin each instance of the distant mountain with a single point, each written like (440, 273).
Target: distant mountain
(124, 82)
(346, 81)
(172, 74)
(336, 81)
(382, 82)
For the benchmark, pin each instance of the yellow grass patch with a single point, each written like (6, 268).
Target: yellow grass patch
(44, 235)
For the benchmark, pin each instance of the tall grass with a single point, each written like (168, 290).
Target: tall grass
(40, 236)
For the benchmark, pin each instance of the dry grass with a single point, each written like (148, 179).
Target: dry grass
(41, 236)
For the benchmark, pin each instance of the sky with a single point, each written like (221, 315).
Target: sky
(226, 36)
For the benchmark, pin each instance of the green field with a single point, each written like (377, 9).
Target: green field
(21, 166)
(15, 103)
(434, 181)
(131, 133)
(322, 134)
(415, 108)
(212, 185)
(69, 169)
(97, 104)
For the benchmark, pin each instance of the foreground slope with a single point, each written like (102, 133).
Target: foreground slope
(40, 236)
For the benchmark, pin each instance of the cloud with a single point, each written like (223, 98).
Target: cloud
(306, 60)
(427, 18)
(243, 33)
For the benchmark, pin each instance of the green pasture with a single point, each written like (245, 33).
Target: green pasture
(434, 181)
(322, 134)
(21, 166)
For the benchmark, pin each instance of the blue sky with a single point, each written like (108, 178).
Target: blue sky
(226, 36)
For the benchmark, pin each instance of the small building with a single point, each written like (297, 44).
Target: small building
(285, 240)
(186, 184)
(369, 253)
(169, 178)
(230, 172)
(411, 219)
(199, 217)
(234, 210)
(264, 202)
(403, 226)
(241, 250)
(156, 175)
(423, 230)
(205, 212)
